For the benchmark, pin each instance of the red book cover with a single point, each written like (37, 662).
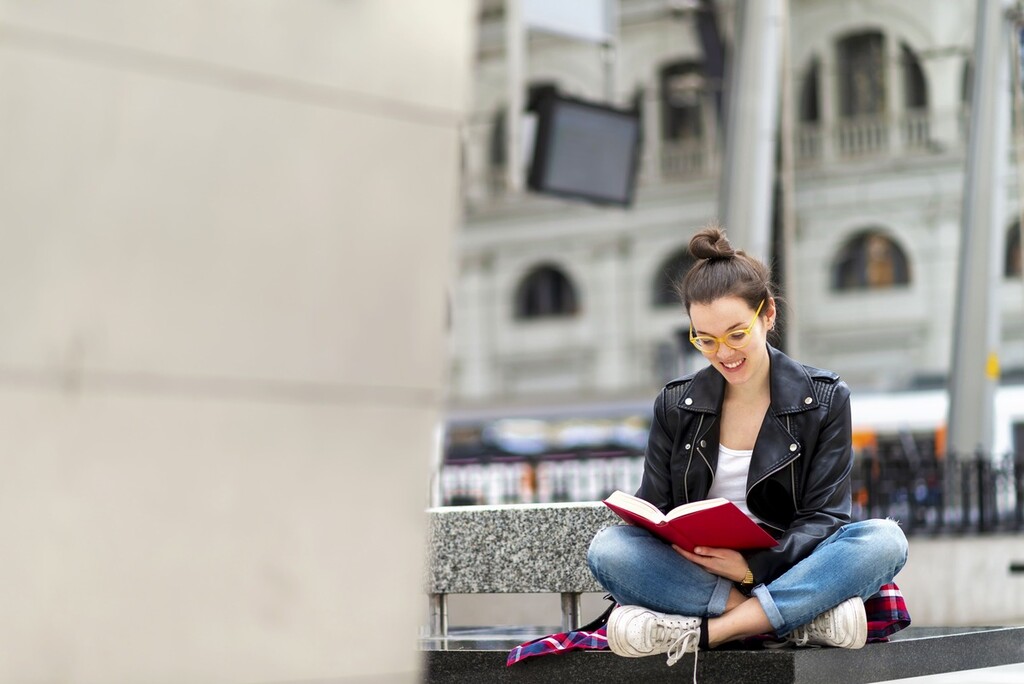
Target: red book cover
(717, 523)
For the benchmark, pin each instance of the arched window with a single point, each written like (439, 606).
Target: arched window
(497, 150)
(809, 134)
(545, 292)
(671, 271)
(861, 73)
(684, 95)
(809, 103)
(916, 128)
(915, 88)
(1012, 267)
(870, 260)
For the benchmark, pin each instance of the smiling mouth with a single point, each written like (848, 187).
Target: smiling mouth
(733, 365)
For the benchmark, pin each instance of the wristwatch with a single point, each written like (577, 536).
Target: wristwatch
(748, 580)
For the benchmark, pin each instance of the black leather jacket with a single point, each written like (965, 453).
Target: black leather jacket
(799, 477)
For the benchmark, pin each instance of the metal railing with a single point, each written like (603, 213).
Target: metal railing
(928, 494)
(932, 494)
(862, 136)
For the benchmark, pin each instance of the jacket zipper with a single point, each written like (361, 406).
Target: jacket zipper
(792, 467)
(791, 463)
(697, 441)
(689, 461)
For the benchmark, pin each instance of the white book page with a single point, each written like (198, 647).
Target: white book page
(648, 510)
(680, 511)
(636, 505)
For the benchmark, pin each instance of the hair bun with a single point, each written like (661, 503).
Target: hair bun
(711, 243)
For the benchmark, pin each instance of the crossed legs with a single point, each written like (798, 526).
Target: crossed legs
(640, 570)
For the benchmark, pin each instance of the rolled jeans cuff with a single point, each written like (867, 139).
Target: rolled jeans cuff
(719, 596)
(764, 597)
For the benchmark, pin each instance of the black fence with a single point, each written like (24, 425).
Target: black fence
(941, 494)
(928, 493)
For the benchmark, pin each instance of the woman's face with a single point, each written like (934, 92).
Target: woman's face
(725, 319)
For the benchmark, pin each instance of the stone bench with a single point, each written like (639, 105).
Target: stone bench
(531, 548)
(514, 549)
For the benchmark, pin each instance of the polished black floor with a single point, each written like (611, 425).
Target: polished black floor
(478, 654)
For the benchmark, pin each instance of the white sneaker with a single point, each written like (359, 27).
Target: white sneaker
(845, 626)
(634, 632)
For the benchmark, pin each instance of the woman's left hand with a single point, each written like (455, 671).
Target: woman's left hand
(727, 563)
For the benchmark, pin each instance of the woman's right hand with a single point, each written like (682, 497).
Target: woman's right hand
(727, 563)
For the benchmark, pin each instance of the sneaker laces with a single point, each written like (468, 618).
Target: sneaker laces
(824, 623)
(798, 636)
(683, 641)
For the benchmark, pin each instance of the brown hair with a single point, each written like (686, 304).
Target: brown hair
(721, 271)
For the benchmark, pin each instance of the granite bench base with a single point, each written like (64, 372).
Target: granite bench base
(478, 655)
(513, 549)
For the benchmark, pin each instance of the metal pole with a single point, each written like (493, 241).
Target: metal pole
(985, 511)
(571, 611)
(745, 194)
(1018, 490)
(963, 489)
(867, 465)
(609, 66)
(1017, 125)
(975, 367)
(787, 194)
(438, 615)
(515, 49)
(610, 52)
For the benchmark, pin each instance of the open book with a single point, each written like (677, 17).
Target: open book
(712, 522)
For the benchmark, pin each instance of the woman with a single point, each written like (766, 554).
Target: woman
(774, 437)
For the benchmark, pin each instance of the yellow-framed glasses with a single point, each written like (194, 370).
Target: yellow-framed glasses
(737, 339)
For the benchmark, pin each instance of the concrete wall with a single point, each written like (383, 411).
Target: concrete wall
(964, 581)
(225, 231)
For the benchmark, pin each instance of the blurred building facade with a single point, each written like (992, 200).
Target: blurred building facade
(558, 302)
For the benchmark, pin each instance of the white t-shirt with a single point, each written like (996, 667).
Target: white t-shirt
(731, 478)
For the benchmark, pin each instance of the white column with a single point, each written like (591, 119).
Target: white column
(226, 234)
(473, 329)
(612, 334)
(944, 75)
(652, 133)
(895, 107)
(745, 192)
(515, 68)
(976, 330)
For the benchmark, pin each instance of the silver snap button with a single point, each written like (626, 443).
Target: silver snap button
(688, 401)
(808, 400)
(703, 443)
(687, 447)
(792, 447)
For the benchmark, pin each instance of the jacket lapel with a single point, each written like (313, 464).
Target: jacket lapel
(792, 392)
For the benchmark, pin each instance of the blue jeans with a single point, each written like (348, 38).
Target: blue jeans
(639, 569)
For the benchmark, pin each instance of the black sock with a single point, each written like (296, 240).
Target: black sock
(702, 642)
